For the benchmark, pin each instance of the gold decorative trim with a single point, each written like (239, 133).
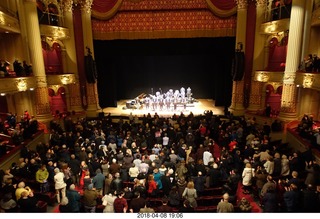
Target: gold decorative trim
(274, 27)
(55, 32)
(21, 84)
(219, 12)
(165, 34)
(268, 76)
(308, 80)
(109, 14)
(9, 23)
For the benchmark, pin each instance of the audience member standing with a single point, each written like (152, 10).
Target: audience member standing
(59, 184)
(225, 206)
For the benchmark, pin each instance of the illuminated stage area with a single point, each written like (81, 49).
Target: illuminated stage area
(197, 108)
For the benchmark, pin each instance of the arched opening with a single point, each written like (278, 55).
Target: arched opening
(52, 58)
(273, 98)
(57, 101)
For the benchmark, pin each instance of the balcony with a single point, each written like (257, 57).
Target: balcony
(304, 79)
(57, 79)
(17, 84)
(8, 22)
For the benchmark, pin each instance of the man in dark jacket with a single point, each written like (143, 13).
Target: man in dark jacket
(74, 199)
(90, 196)
(74, 165)
(116, 184)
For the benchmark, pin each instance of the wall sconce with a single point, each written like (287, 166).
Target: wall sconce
(2, 94)
(65, 79)
(262, 77)
(308, 80)
(21, 84)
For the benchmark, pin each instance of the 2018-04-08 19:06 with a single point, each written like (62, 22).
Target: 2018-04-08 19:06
(160, 215)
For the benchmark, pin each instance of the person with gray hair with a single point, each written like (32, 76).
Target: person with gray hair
(59, 184)
(225, 206)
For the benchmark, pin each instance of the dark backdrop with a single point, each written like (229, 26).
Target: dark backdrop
(127, 68)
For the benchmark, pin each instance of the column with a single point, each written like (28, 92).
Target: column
(42, 107)
(73, 90)
(306, 30)
(237, 107)
(288, 100)
(258, 58)
(91, 89)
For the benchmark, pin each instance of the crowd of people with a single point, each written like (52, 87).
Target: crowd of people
(122, 164)
(15, 129)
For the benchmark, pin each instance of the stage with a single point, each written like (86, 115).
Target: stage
(197, 108)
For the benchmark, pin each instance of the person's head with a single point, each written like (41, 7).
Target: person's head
(269, 178)
(294, 174)
(190, 185)
(56, 170)
(248, 165)
(21, 185)
(90, 186)
(225, 196)
(72, 187)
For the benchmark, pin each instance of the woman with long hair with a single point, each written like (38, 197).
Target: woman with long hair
(190, 194)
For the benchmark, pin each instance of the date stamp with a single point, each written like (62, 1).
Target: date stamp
(159, 215)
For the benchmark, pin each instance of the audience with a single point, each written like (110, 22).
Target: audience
(123, 165)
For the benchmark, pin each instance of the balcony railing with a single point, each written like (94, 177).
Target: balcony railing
(303, 79)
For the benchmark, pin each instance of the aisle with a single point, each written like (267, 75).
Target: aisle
(255, 207)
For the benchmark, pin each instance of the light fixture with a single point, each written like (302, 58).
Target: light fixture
(31, 88)
(2, 94)
(21, 84)
(65, 79)
(308, 80)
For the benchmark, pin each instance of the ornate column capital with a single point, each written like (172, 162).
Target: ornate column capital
(85, 4)
(242, 4)
(261, 3)
(289, 77)
(66, 5)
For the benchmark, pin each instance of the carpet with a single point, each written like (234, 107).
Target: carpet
(255, 206)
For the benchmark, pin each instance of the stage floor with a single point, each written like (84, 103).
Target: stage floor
(197, 108)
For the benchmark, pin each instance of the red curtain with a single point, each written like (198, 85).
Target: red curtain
(224, 4)
(103, 6)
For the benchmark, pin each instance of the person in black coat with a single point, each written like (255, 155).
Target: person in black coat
(309, 199)
(28, 203)
(199, 182)
(214, 176)
(291, 198)
(74, 165)
(270, 201)
(166, 183)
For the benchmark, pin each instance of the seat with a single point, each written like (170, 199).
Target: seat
(213, 191)
(210, 200)
(212, 209)
(154, 202)
(201, 209)
(42, 206)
